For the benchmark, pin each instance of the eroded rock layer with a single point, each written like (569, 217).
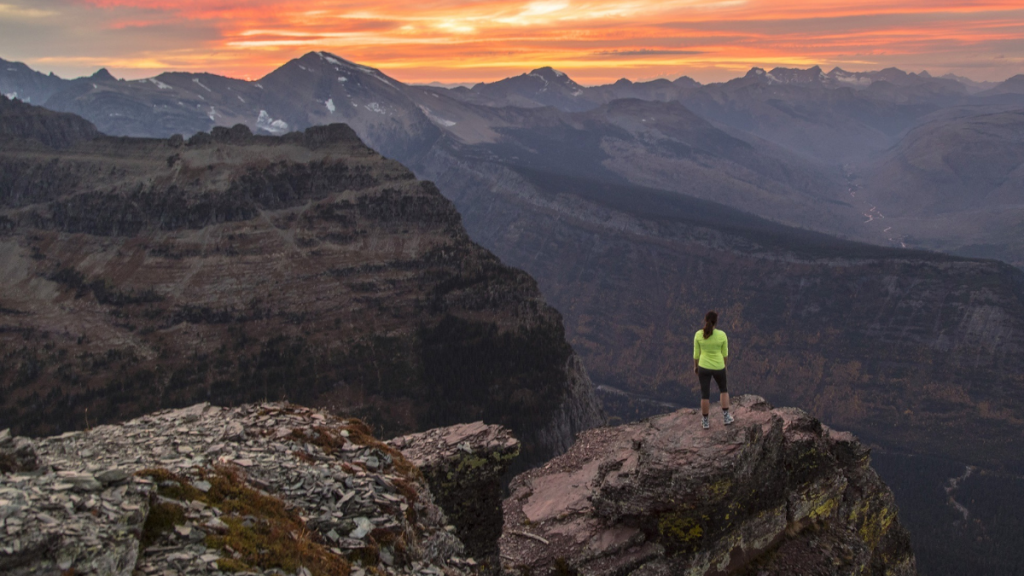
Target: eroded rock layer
(775, 493)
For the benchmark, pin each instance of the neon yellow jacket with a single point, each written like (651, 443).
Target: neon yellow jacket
(711, 352)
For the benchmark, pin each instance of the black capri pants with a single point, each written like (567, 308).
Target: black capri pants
(705, 375)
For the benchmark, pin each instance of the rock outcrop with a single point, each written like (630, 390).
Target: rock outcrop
(775, 493)
(464, 466)
(265, 489)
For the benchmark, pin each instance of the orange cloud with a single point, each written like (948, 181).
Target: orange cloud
(593, 40)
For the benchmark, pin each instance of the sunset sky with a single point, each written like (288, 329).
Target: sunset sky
(595, 41)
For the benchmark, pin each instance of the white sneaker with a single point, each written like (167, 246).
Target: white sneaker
(704, 422)
(728, 419)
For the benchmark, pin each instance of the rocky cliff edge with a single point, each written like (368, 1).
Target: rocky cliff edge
(281, 489)
(775, 493)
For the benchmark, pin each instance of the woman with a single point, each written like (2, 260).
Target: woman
(710, 360)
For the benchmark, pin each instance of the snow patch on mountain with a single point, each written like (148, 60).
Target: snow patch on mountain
(330, 105)
(437, 119)
(265, 122)
(342, 79)
(201, 85)
(854, 79)
(539, 76)
(374, 107)
(158, 84)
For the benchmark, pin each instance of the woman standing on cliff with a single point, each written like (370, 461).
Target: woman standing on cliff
(710, 360)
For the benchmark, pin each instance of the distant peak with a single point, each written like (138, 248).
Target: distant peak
(103, 74)
(623, 82)
(686, 80)
(755, 71)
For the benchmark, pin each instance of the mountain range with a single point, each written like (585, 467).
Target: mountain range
(816, 152)
(638, 206)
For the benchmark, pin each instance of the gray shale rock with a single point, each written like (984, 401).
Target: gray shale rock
(464, 466)
(84, 508)
(777, 493)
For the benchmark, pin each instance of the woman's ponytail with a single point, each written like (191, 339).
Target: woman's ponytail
(710, 319)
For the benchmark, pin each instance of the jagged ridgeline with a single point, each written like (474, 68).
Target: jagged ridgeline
(141, 274)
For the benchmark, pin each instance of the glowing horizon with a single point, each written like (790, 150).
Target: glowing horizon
(456, 41)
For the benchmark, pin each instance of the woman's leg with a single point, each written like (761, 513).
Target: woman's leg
(704, 375)
(721, 378)
(723, 390)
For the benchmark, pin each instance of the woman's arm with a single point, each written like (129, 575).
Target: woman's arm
(696, 354)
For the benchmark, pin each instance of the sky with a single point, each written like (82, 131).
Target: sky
(462, 41)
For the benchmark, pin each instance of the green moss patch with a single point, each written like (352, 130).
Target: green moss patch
(162, 518)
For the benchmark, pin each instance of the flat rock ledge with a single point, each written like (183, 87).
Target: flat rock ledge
(776, 493)
(259, 489)
(464, 466)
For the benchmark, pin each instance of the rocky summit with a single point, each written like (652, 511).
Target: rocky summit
(775, 493)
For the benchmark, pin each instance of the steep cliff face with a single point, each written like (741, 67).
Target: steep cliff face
(775, 493)
(140, 274)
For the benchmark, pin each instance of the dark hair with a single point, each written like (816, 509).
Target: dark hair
(710, 319)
